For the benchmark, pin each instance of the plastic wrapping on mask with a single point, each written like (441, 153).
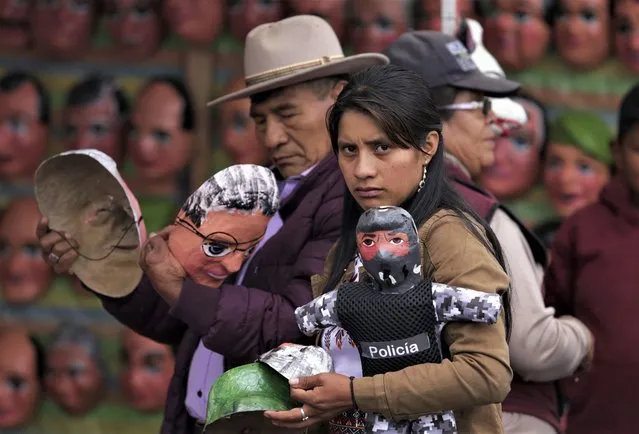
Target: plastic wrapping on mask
(294, 361)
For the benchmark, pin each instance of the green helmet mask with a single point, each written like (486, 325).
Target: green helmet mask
(239, 397)
(585, 131)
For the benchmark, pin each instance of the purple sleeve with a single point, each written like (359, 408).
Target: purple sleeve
(241, 323)
(145, 312)
(558, 280)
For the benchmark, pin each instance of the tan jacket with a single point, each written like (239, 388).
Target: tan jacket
(478, 377)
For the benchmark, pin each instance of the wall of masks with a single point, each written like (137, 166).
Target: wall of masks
(131, 78)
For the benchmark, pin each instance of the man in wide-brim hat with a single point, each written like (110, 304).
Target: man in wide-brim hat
(294, 70)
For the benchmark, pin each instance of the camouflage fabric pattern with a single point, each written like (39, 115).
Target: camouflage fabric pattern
(461, 304)
(317, 314)
(294, 361)
(451, 304)
(437, 423)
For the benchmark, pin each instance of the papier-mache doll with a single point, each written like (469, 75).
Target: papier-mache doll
(396, 315)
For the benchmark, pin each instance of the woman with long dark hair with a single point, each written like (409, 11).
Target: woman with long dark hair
(386, 133)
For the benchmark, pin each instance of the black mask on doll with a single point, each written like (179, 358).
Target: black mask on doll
(388, 244)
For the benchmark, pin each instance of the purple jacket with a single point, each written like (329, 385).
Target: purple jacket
(593, 275)
(241, 322)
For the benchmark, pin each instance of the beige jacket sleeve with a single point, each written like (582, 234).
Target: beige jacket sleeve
(478, 372)
(542, 347)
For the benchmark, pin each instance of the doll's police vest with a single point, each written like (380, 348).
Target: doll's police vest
(391, 331)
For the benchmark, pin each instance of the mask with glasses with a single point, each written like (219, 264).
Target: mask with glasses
(218, 245)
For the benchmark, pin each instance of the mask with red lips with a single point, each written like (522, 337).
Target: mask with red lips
(388, 245)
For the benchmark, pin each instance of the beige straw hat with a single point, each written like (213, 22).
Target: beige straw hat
(294, 50)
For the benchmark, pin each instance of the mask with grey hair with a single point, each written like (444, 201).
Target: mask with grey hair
(76, 373)
(388, 245)
(244, 188)
(78, 335)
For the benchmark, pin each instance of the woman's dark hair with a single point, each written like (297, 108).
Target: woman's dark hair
(400, 103)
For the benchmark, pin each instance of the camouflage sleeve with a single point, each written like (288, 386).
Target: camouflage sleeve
(318, 314)
(462, 304)
(436, 423)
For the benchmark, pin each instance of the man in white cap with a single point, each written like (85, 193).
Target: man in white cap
(294, 71)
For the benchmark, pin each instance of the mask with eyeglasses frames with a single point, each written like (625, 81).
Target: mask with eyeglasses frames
(218, 245)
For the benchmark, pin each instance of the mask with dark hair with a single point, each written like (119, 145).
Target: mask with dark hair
(20, 369)
(76, 373)
(517, 32)
(15, 30)
(160, 137)
(94, 116)
(377, 23)
(24, 274)
(388, 245)
(429, 13)
(582, 32)
(195, 21)
(626, 26)
(136, 27)
(146, 371)
(24, 118)
(64, 28)
(245, 15)
(333, 11)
